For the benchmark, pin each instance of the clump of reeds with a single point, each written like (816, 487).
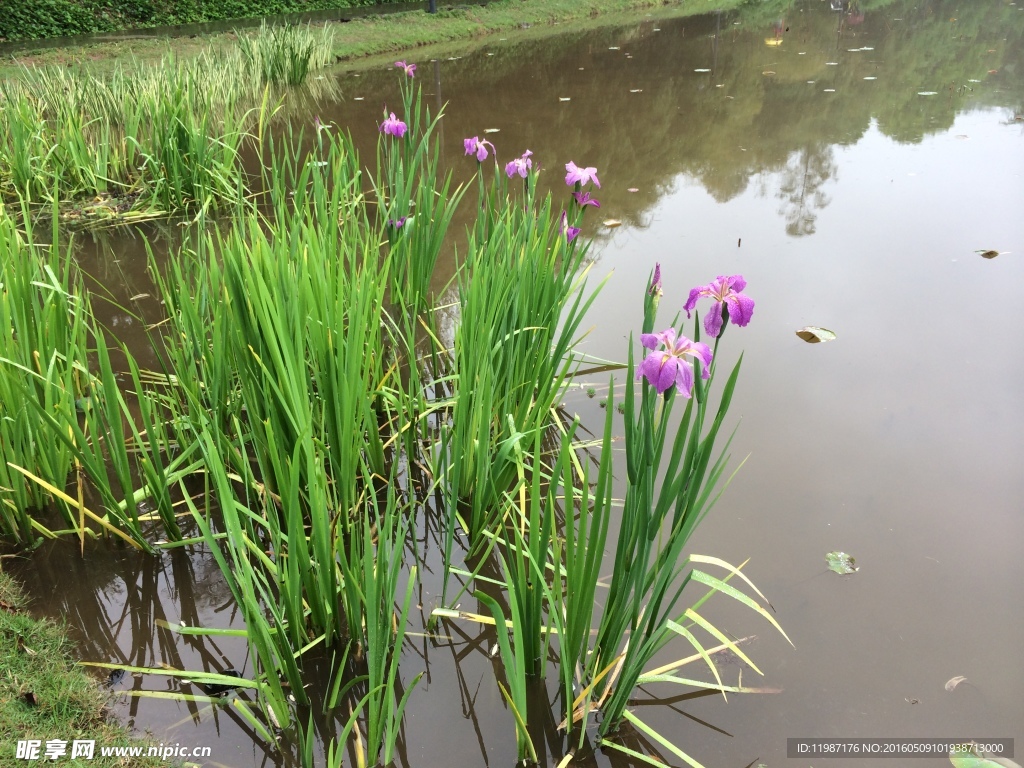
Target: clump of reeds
(293, 384)
(157, 139)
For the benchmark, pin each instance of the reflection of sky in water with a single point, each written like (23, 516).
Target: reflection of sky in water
(900, 442)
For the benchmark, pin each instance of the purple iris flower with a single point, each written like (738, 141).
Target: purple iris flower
(393, 127)
(580, 175)
(725, 291)
(478, 147)
(520, 165)
(668, 366)
(410, 69)
(398, 223)
(655, 289)
(584, 198)
(569, 232)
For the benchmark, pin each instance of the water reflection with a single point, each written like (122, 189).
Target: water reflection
(805, 158)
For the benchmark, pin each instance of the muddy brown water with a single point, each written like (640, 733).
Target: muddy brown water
(849, 165)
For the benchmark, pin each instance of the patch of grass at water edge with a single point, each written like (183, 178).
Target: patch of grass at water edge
(69, 704)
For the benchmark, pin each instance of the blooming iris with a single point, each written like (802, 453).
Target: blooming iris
(580, 175)
(569, 232)
(584, 199)
(725, 291)
(410, 69)
(478, 147)
(393, 127)
(668, 366)
(520, 165)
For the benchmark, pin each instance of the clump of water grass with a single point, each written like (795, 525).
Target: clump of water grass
(294, 386)
(45, 342)
(149, 140)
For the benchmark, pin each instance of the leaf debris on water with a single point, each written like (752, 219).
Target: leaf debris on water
(702, 70)
(565, 98)
(841, 563)
(953, 682)
(491, 130)
(812, 334)
(612, 223)
(989, 254)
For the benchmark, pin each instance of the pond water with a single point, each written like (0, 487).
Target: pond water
(850, 165)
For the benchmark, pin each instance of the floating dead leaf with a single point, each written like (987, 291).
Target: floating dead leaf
(841, 563)
(632, 189)
(773, 41)
(613, 48)
(358, 98)
(953, 682)
(565, 98)
(702, 70)
(491, 130)
(768, 72)
(812, 334)
(870, 78)
(138, 296)
(612, 223)
(989, 254)
(636, 90)
(830, 90)
(927, 93)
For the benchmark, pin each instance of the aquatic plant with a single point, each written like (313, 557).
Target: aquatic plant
(580, 176)
(670, 366)
(520, 165)
(728, 303)
(303, 375)
(153, 140)
(45, 340)
(478, 147)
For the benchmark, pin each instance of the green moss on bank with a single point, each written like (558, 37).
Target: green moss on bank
(390, 33)
(68, 704)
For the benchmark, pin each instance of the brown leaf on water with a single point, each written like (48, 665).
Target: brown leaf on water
(768, 72)
(812, 334)
(988, 254)
(953, 682)
(612, 223)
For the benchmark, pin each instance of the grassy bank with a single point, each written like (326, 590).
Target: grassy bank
(393, 32)
(43, 695)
